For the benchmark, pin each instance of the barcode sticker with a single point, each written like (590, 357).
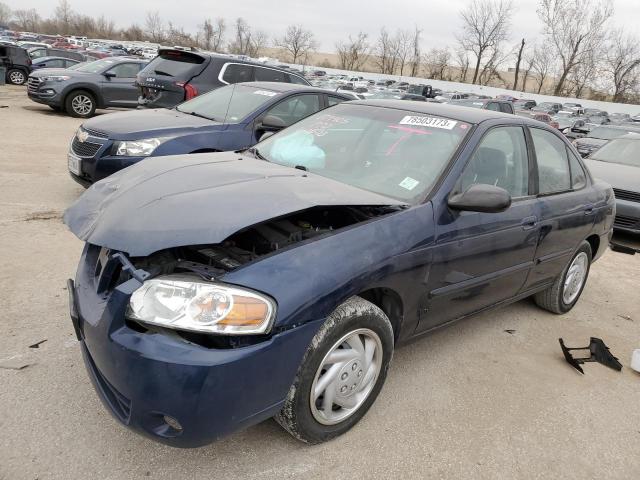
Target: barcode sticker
(433, 122)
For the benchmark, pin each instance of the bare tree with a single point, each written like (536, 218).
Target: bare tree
(543, 63)
(485, 24)
(354, 53)
(436, 62)
(246, 41)
(211, 34)
(64, 17)
(462, 62)
(528, 66)
(384, 53)
(155, 27)
(515, 81)
(27, 19)
(297, 43)
(575, 28)
(5, 14)
(134, 32)
(622, 64)
(403, 46)
(414, 62)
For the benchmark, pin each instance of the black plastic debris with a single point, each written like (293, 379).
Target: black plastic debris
(510, 331)
(599, 353)
(37, 344)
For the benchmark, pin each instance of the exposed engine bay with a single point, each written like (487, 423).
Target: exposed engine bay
(258, 240)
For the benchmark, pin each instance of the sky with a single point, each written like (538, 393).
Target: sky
(330, 20)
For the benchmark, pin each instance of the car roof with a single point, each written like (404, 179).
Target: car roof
(282, 87)
(456, 112)
(43, 59)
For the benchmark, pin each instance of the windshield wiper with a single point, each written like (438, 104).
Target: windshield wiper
(256, 153)
(198, 115)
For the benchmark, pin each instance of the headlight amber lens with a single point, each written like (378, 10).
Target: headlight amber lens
(187, 303)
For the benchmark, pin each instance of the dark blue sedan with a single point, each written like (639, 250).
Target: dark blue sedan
(228, 118)
(220, 289)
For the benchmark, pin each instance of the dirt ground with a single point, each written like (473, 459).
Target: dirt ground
(469, 401)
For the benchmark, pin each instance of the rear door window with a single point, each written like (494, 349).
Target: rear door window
(578, 175)
(553, 164)
(126, 70)
(238, 73)
(268, 75)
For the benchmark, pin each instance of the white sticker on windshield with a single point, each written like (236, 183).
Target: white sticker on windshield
(433, 122)
(266, 93)
(409, 183)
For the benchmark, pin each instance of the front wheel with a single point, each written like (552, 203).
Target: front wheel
(17, 77)
(80, 104)
(341, 374)
(566, 290)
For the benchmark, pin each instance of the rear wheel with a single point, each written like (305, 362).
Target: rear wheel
(80, 104)
(566, 290)
(341, 374)
(17, 77)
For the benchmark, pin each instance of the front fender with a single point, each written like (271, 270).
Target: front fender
(310, 280)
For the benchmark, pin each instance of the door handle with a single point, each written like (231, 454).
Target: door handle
(529, 222)
(588, 209)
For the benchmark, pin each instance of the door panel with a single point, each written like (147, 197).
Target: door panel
(480, 259)
(120, 91)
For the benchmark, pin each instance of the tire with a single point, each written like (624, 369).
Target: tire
(16, 77)
(553, 298)
(356, 320)
(80, 104)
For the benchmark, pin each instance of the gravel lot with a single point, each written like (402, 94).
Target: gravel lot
(469, 401)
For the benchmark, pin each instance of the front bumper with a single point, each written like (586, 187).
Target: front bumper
(627, 216)
(143, 377)
(46, 94)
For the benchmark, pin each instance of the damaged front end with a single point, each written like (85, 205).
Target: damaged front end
(211, 262)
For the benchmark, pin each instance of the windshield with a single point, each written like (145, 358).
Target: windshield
(396, 153)
(604, 133)
(621, 150)
(229, 104)
(97, 66)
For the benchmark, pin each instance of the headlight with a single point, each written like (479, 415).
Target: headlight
(55, 78)
(185, 303)
(137, 148)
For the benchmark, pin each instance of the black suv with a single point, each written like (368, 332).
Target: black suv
(17, 62)
(109, 82)
(175, 76)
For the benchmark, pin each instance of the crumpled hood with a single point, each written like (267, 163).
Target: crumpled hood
(623, 177)
(197, 199)
(136, 124)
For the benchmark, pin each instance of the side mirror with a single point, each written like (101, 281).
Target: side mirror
(481, 198)
(271, 123)
(109, 75)
(266, 135)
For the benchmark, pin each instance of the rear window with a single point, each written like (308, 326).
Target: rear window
(228, 104)
(181, 65)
